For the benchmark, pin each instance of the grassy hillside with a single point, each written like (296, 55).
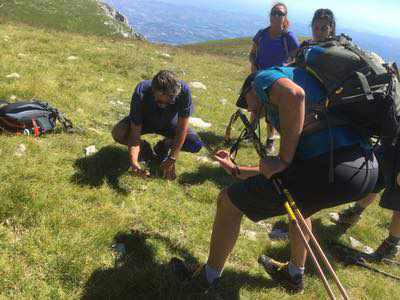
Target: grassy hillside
(81, 16)
(61, 212)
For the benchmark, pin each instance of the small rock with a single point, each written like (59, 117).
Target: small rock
(13, 97)
(119, 248)
(20, 151)
(355, 243)
(198, 85)
(198, 122)
(334, 217)
(13, 76)
(120, 102)
(223, 101)
(278, 234)
(90, 150)
(120, 90)
(165, 55)
(21, 55)
(251, 235)
(101, 79)
(72, 57)
(367, 250)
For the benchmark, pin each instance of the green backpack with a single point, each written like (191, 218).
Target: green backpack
(362, 91)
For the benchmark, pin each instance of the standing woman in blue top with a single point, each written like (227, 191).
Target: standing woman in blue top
(273, 46)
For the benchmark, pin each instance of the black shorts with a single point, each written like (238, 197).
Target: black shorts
(388, 165)
(355, 176)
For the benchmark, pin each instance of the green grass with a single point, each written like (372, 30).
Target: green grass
(61, 212)
(81, 16)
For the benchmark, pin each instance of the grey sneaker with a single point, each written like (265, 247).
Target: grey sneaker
(270, 147)
(386, 250)
(348, 218)
(279, 272)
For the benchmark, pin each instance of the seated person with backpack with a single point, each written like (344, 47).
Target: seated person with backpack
(161, 106)
(303, 164)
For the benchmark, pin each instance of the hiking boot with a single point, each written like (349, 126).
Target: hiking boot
(386, 250)
(280, 273)
(348, 218)
(161, 150)
(146, 153)
(270, 147)
(194, 279)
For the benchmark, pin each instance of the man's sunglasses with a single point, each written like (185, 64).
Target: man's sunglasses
(278, 13)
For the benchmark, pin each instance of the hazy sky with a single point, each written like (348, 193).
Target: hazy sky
(381, 16)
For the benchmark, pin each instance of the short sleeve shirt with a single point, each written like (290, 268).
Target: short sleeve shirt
(271, 52)
(316, 143)
(145, 111)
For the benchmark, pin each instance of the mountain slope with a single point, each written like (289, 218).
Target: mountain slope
(81, 16)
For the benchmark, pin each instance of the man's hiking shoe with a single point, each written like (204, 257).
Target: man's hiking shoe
(146, 153)
(347, 218)
(386, 250)
(161, 150)
(280, 273)
(194, 280)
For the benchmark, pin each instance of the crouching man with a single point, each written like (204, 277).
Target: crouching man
(162, 106)
(304, 165)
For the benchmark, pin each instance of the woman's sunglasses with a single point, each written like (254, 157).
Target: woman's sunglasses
(278, 13)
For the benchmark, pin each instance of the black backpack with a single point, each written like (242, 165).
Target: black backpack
(363, 92)
(34, 117)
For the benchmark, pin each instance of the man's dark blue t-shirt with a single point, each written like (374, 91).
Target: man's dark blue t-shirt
(146, 112)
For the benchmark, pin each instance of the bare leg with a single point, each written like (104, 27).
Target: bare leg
(225, 231)
(395, 226)
(298, 252)
(365, 202)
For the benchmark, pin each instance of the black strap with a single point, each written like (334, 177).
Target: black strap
(365, 86)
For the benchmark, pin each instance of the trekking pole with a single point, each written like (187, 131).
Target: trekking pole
(295, 214)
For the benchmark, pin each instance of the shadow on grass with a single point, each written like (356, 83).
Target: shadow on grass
(106, 165)
(212, 140)
(206, 173)
(326, 235)
(138, 274)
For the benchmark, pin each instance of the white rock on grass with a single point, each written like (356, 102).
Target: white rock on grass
(355, 243)
(90, 150)
(120, 102)
(13, 76)
(20, 151)
(223, 101)
(251, 235)
(120, 90)
(199, 123)
(198, 85)
(166, 55)
(21, 55)
(367, 250)
(13, 97)
(72, 57)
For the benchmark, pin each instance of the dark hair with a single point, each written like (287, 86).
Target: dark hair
(286, 22)
(241, 101)
(166, 82)
(325, 14)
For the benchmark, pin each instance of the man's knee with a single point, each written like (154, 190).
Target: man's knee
(225, 205)
(120, 131)
(193, 143)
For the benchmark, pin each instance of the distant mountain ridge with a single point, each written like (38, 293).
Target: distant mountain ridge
(174, 24)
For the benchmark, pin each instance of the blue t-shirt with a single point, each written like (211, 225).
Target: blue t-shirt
(313, 144)
(271, 52)
(144, 109)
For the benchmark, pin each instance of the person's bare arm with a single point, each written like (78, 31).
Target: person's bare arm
(290, 100)
(252, 58)
(180, 136)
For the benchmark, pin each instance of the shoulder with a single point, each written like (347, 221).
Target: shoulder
(290, 35)
(261, 33)
(184, 87)
(143, 86)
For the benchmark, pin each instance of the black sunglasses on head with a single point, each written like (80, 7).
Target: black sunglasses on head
(278, 13)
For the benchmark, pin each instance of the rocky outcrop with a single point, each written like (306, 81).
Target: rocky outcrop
(124, 28)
